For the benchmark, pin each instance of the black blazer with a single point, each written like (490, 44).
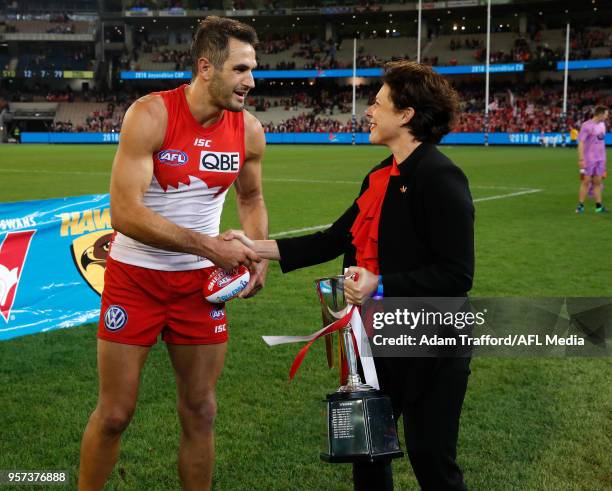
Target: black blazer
(426, 231)
(425, 248)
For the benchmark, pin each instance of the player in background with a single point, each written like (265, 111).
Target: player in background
(592, 158)
(180, 151)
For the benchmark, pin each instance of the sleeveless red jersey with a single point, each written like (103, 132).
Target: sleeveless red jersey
(192, 172)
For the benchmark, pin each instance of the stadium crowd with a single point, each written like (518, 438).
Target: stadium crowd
(533, 108)
(103, 121)
(313, 52)
(312, 123)
(327, 107)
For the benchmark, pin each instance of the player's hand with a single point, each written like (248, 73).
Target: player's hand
(229, 254)
(258, 270)
(357, 292)
(581, 163)
(258, 279)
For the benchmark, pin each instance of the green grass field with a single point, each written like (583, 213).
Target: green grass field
(527, 424)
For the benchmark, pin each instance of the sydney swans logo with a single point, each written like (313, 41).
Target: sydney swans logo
(13, 252)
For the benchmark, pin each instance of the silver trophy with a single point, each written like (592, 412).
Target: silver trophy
(360, 422)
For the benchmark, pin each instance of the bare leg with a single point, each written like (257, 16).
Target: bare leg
(197, 368)
(119, 367)
(597, 189)
(584, 188)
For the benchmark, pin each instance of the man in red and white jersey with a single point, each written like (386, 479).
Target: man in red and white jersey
(179, 152)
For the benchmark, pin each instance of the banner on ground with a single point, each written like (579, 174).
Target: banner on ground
(52, 261)
(542, 139)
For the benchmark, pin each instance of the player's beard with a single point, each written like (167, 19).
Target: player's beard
(223, 96)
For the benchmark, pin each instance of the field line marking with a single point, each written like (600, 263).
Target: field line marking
(515, 188)
(322, 181)
(298, 230)
(47, 171)
(269, 179)
(313, 181)
(320, 227)
(509, 195)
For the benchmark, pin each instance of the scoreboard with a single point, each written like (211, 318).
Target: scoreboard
(42, 73)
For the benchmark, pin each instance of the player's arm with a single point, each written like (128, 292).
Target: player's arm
(581, 137)
(252, 210)
(580, 154)
(142, 134)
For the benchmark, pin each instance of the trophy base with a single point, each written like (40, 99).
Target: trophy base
(355, 388)
(360, 428)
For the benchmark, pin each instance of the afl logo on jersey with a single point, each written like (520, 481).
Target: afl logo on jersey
(220, 161)
(601, 136)
(217, 314)
(173, 157)
(115, 318)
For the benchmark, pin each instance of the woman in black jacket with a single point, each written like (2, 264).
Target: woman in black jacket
(410, 233)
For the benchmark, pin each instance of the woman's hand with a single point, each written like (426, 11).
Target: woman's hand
(357, 292)
(266, 249)
(239, 235)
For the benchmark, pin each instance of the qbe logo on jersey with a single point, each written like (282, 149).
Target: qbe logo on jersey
(220, 161)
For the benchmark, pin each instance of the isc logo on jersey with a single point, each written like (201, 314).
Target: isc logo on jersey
(172, 157)
(220, 161)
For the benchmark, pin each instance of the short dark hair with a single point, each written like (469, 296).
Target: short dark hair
(211, 39)
(599, 110)
(432, 97)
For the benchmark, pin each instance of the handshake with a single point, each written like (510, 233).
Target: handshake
(233, 248)
(360, 283)
(253, 251)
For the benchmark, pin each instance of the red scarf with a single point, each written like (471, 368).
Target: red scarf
(365, 227)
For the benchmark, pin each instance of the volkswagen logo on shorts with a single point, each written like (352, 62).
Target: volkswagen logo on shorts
(115, 318)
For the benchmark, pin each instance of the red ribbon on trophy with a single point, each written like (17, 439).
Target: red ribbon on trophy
(333, 327)
(351, 314)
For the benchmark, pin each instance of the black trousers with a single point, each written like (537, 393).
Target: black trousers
(431, 409)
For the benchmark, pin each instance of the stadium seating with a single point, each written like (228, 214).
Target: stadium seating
(4, 61)
(43, 26)
(287, 53)
(77, 112)
(276, 115)
(55, 61)
(147, 61)
(441, 47)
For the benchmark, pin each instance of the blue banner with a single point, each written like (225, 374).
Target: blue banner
(155, 75)
(259, 74)
(52, 260)
(498, 68)
(328, 73)
(370, 72)
(585, 64)
(345, 138)
(342, 138)
(27, 137)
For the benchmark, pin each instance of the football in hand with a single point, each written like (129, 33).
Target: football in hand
(221, 286)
